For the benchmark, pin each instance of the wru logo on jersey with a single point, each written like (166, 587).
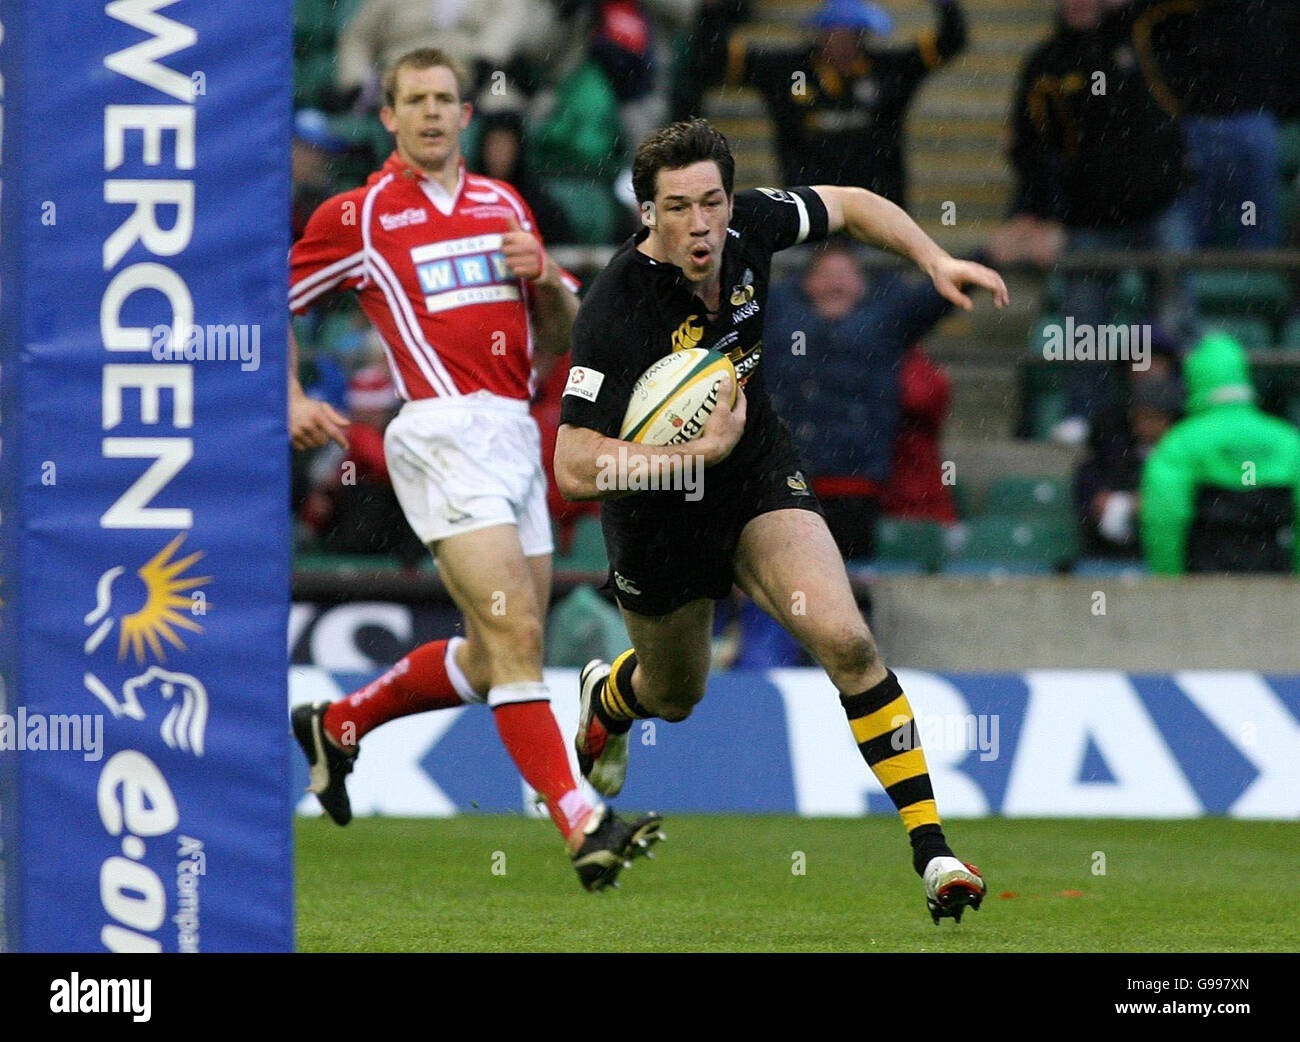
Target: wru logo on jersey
(464, 271)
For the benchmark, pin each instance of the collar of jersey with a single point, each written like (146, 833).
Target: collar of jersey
(445, 203)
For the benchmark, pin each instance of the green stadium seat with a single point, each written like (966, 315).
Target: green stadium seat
(1014, 545)
(1036, 337)
(313, 77)
(1291, 150)
(586, 552)
(900, 541)
(1042, 396)
(1291, 335)
(1228, 292)
(582, 627)
(1028, 497)
(1255, 334)
(315, 27)
(590, 207)
(1130, 297)
(961, 499)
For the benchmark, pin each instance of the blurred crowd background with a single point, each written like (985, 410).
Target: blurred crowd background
(1092, 150)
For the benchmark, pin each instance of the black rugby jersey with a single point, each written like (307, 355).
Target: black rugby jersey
(638, 310)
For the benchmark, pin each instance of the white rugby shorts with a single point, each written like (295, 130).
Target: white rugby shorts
(461, 464)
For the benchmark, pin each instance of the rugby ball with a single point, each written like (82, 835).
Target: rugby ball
(672, 399)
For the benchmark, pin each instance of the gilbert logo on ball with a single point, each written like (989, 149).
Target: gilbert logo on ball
(674, 397)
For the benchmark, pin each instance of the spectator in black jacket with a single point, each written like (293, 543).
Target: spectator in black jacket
(838, 109)
(1095, 154)
(1212, 64)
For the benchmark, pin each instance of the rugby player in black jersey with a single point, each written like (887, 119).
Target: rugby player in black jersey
(697, 276)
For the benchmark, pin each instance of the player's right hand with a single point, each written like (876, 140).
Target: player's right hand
(725, 425)
(312, 423)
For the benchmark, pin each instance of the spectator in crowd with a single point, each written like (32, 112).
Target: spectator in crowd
(1211, 63)
(314, 146)
(839, 109)
(484, 35)
(833, 355)
(705, 55)
(353, 507)
(500, 154)
(1106, 482)
(916, 489)
(1221, 491)
(1099, 165)
(631, 41)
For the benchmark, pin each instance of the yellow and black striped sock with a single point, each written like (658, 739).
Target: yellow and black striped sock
(882, 724)
(616, 703)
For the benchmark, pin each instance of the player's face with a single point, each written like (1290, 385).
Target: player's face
(427, 117)
(691, 214)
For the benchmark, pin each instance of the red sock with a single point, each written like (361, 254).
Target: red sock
(416, 684)
(532, 738)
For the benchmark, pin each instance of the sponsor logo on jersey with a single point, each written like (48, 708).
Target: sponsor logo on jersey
(403, 218)
(584, 383)
(626, 585)
(778, 195)
(469, 270)
(798, 483)
(688, 334)
(724, 343)
(743, 293)
(745, 362)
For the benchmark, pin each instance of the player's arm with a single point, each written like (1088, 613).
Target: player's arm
(311, 423)
(873, 219)
(554, 303)
(328, 258)
(590, 465)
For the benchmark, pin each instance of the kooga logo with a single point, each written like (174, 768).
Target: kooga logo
(94, 995)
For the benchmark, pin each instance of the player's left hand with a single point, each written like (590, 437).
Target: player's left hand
(523, 251)
(951, 275)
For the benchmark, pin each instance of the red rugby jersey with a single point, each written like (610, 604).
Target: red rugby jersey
(429, 273)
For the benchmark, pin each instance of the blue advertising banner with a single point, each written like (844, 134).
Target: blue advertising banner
(1042, 743)
(146, 553)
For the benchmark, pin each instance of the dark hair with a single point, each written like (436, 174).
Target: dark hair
(424, 58)
(676, 146)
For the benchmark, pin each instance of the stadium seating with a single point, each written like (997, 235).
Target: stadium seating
(1264, 294)
(584, 626)
(1029, 497)
(1012, 545)
(1255, 334)
(903, 545)
(586, 552)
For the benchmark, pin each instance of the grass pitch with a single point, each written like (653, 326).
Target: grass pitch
(726, 884)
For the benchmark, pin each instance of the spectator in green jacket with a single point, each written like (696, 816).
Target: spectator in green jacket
(1221, 491)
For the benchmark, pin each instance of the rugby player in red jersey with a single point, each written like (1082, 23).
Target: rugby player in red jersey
(449, 270)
